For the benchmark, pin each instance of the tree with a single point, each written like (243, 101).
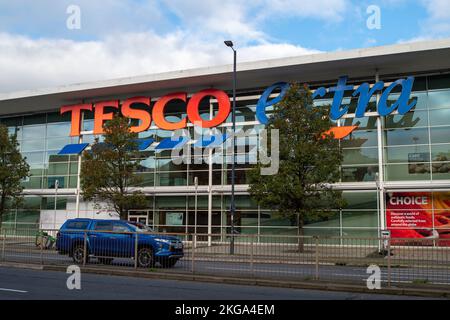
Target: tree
(309, 163)
(13, 170)
(108, 169)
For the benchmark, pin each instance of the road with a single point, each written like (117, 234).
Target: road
(17, 283)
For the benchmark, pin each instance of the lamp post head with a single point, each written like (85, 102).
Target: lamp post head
(228, 43)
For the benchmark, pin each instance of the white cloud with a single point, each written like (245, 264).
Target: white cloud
(438, 22)
(130, 38)
(31, 63)
(437, 9)
(243, 19)
(319, 9)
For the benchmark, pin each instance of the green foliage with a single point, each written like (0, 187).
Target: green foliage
(309, 162)
(107, 170)
(13, 170)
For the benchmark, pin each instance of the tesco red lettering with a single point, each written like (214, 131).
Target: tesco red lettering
(157, 114)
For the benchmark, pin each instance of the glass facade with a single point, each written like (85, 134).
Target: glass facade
(414, 147)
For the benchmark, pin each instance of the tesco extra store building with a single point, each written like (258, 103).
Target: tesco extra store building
(395, 174)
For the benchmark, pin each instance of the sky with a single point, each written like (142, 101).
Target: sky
(46, 43)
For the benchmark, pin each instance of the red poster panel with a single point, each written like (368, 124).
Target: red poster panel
(410, 215)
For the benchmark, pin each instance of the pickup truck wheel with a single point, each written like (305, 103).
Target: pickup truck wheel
(168, 263)
(78, 254)
(145, 258)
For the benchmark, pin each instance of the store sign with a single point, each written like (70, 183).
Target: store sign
(419, 215)
(364, 92)
(127, 110)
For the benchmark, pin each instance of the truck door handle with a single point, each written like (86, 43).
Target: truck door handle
(93, 236)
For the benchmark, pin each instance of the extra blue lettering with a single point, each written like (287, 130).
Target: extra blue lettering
(320, 92)
(364, 96)
(339, 90)
(263, 103)
(402, 101)
(364, 92)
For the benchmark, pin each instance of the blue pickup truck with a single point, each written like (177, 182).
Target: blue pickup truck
(109, 239)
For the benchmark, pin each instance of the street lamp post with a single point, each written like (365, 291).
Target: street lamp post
(229, 43)
(195, 212)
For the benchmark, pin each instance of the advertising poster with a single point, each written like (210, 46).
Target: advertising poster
(174, 218)
(419, 215)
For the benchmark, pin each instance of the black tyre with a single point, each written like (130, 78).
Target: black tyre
(168, 263)
(145, 258)
(78, 254)
(105, 260)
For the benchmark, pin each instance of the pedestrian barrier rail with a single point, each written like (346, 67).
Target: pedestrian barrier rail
(287, 258)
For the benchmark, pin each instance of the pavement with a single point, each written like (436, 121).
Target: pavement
(32, 284)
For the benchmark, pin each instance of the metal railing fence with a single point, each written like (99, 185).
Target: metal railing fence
(288, 258)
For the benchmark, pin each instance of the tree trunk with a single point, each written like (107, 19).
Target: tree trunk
(123, 214)
(300, 234)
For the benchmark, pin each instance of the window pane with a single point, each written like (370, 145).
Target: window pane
(58, 143)
(441, 170)
(362, 123)
(33, 132)
(410, 119)
(360, 156)
(360, 233)
(58, 169)
(438, 99)
(406, 154)
(358, 219)
(51, 182)
(33, 183)
(439, 82)
(413, 171)
(88, 125)
(34, 119)
(422, 99)
(360, 138)
(360, 200)
(171, 179)
(359, 173)
(440, 135)
(58, 130)
(34, 157)
(440, 152)
(406, 136)
(33, 145)
(440, 117)
(171, 202)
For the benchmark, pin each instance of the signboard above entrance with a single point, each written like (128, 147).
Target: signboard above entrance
(364, 92)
